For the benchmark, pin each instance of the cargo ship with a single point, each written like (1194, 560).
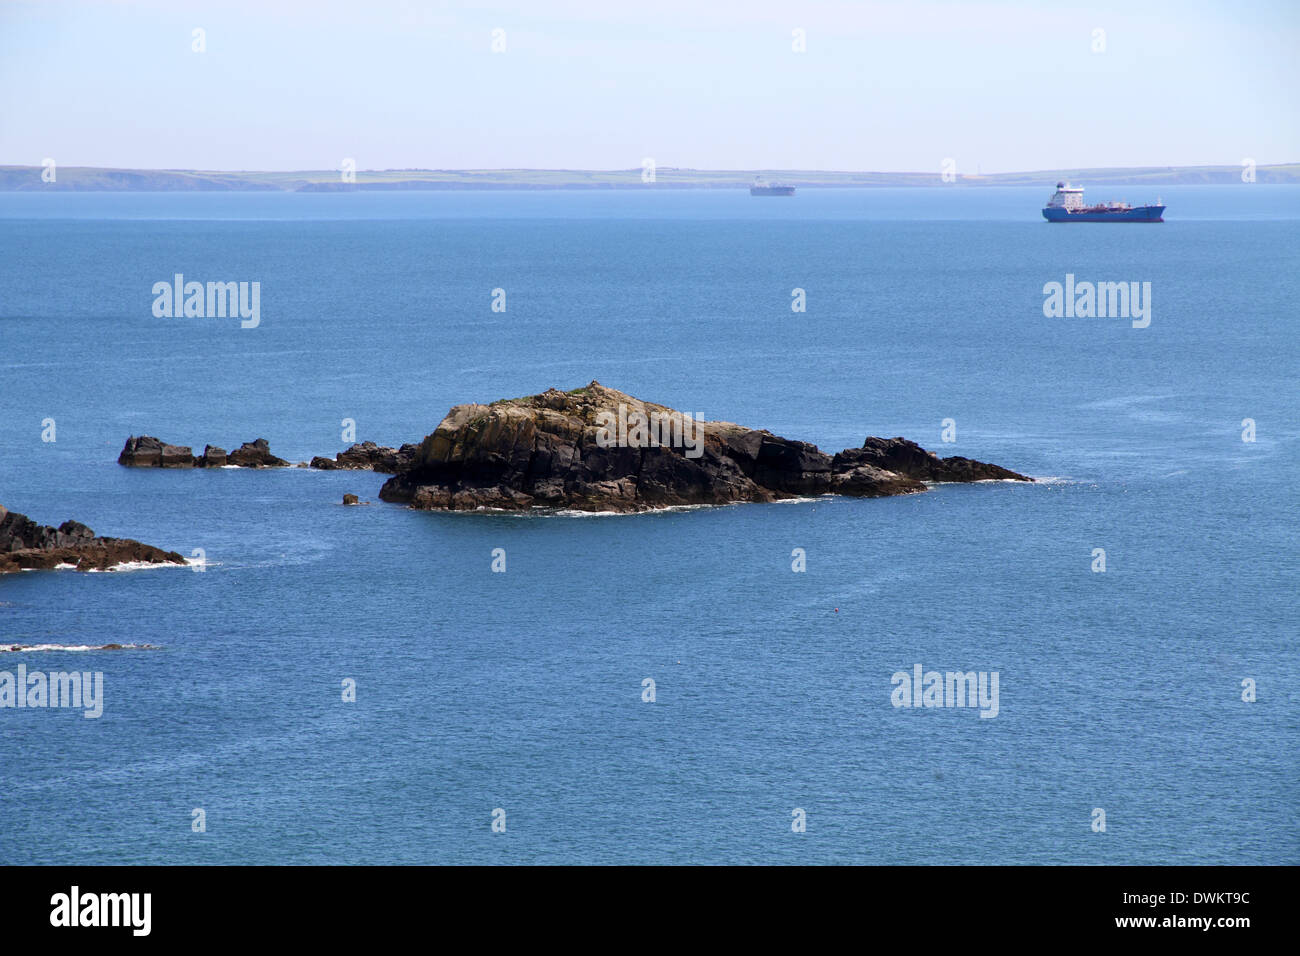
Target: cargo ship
(761, 188)
(1067, 206)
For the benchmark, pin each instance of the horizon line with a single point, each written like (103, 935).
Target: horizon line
(658, 167)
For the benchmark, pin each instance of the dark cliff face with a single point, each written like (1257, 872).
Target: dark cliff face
(26, 545)
(583, 450)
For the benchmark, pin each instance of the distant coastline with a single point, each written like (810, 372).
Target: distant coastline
(100, 179)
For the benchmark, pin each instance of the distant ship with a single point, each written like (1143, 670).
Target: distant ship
(761, 188)
(1067, 206)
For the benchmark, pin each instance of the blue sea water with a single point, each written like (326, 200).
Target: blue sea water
(522, 691)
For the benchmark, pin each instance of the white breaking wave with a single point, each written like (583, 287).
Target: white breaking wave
(23, 648)
(124, 566)
(543, 512)
(1038, 480)
(575, 513)
(665, 509)
(136, 566)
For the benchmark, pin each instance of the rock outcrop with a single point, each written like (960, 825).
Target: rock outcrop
(149, 452)
(213, 457)
(24, 544)
(368, 456)
(598, 449)
(255, 454)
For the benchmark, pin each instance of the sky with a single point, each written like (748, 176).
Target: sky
(605, 84)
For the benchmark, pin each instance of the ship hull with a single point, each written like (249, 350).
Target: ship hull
(1135, 214)
(771, 190)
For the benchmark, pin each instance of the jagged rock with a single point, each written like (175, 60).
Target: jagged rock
(908, 458)
(213, 457)
(142, 452)
(149, 452)
(868, 481)
(578, 450)
(367, 456)
(255, 454)
(24, 544)
(351, 499)
(177, 456)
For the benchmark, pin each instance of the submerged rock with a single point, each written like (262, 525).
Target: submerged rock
(24, 544)
(598, 449)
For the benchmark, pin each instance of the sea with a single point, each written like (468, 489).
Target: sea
(356, 685)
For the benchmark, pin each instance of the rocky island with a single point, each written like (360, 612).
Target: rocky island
(26, 545)
(598, 449)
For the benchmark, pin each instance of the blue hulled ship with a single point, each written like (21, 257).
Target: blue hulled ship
(1067, 206)
(760, 188)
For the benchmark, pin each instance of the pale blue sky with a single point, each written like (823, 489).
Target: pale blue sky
(603, 83)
